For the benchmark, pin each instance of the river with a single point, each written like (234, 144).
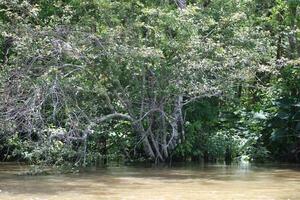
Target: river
(207, 182)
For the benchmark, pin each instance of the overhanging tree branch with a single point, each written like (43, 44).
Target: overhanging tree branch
(114, 115)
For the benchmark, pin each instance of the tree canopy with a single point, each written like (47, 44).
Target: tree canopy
(89, 80)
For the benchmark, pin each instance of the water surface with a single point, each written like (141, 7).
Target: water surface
(186, 182)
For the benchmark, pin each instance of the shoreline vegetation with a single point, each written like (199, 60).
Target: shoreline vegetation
(91, 82)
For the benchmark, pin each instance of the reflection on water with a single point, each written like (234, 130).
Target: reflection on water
(184, 182)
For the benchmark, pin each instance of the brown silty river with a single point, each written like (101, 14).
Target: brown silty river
(207, 182)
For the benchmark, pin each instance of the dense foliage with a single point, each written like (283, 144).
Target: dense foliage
(84, 82)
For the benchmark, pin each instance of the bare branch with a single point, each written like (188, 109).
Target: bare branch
(112, 116)
(196, 98)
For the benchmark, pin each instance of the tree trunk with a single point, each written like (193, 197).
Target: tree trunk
(292, 35)
(279, 47)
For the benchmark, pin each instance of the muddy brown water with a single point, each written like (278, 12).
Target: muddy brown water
(207, 182)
